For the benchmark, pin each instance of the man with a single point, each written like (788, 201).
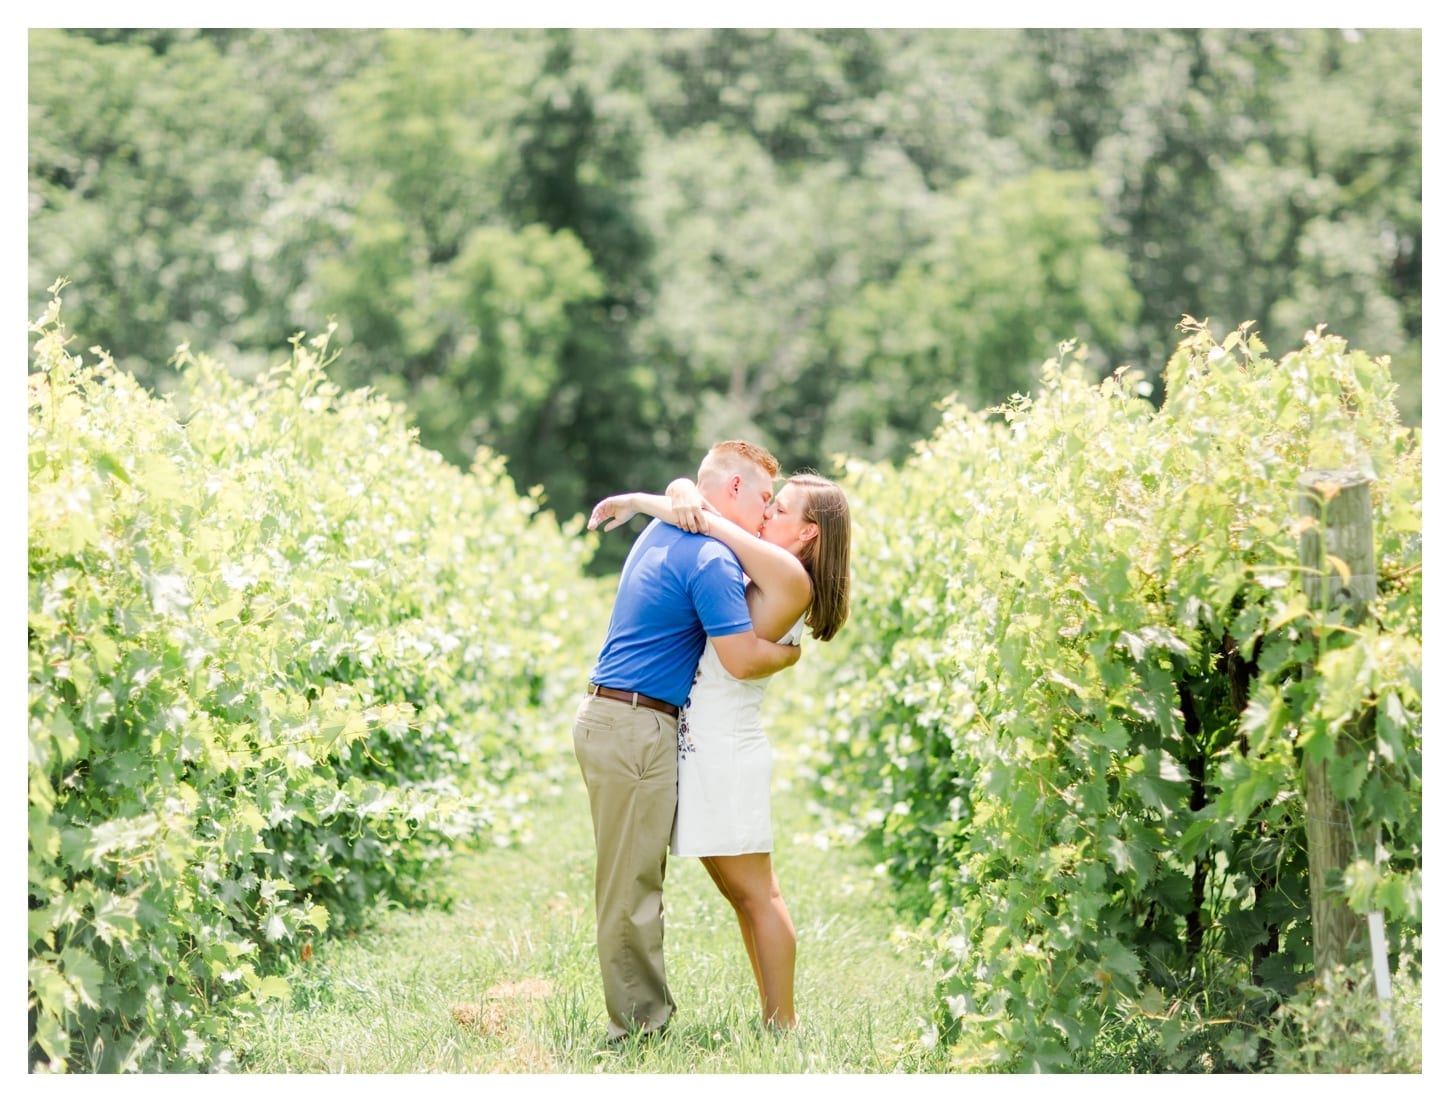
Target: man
(677, 590)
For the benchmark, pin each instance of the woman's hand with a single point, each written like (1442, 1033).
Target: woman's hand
(688, 506)
(685, 508)
(613, 511)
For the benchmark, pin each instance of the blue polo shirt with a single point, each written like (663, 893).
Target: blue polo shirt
(676, 589)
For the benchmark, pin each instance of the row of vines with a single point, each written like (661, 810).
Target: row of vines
(282, 660)
(1077, 692)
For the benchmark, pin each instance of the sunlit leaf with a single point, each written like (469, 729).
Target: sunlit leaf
(84, 974)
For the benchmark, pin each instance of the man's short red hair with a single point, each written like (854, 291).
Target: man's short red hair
(733, 455)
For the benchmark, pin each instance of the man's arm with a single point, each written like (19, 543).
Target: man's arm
(747, 656)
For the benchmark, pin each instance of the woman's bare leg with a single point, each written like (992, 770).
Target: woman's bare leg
(745, 935)
(748, 881)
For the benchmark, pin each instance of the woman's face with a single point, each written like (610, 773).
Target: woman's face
(785, 524)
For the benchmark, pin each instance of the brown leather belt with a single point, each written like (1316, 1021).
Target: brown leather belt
(637, 699)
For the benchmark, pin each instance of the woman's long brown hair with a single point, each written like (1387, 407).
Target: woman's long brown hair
(827, 558)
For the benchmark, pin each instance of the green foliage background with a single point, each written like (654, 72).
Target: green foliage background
(596, 251)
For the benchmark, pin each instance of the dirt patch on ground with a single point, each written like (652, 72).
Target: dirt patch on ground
(490, 1018)
(501, 1016)
(524, 989)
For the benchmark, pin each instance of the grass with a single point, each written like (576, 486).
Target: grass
(506, 981)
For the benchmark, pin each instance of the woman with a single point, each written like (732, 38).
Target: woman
(798, 568)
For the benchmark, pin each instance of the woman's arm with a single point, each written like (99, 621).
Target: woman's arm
(780, 587)
(618, 508)
(776, 572)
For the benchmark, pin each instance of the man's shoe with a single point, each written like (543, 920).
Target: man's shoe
(638, 1037)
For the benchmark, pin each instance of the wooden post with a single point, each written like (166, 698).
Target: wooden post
(1339, 503)
(1337, 552)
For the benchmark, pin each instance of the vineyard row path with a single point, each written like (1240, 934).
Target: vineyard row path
(506, 979)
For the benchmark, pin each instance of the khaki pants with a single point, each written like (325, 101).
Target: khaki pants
(628, 756)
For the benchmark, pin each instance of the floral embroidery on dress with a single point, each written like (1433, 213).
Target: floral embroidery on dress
(682, 728)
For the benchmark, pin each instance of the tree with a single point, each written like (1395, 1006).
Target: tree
(754, 261)
(1265, 175)
(445, 302)
(1014, 270)
(596, 250)
(144, 169)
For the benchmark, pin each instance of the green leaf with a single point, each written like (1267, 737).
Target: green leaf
(1264, 715)
(1296, 607)
(160, 478)
(1390, 724)
(84, 974)
(273, 987)
(51, 1036)
(1119, 959)
(52, 991)
(1151, 1001)
(1158, 781)
(77, 533)
(226, 611)
(107, 464)
(318, 917)
(67, 742)
(1241, 1047)
(115, 918)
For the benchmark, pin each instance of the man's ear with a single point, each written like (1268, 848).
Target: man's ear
(734, 485)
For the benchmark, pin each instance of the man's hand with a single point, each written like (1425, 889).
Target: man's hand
(690, 506)
(612, 512)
